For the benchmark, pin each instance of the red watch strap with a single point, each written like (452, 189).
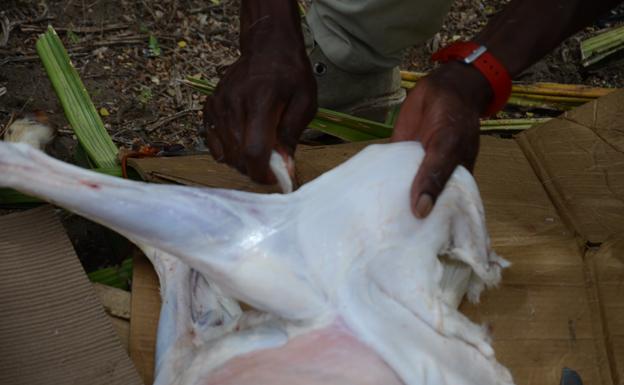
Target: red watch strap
(487, 64)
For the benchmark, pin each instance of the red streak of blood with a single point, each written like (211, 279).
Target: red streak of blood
(92, 185)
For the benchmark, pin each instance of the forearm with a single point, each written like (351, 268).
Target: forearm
(526, 30)
(263, 22)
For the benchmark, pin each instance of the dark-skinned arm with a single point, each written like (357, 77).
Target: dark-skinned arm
(442, 111)
(268, 96)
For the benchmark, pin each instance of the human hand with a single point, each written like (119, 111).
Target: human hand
(265, 99)
(442, 112)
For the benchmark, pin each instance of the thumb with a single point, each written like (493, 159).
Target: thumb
(435, 170)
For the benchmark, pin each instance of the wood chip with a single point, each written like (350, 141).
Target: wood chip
(116, 302)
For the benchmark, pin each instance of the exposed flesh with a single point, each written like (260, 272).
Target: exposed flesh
(350, 288)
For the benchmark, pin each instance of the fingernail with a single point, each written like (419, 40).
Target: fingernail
(423, 206)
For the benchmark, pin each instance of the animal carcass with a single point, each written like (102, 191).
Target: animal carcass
(349, 287)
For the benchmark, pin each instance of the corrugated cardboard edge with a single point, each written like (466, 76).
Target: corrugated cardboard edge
(116, 303)
(578, 157)
(551, 188)
(605, 267)
(53, 328)
(145, 311)
(195, 170)
(202, 170)
(603, 345)
(605, 116)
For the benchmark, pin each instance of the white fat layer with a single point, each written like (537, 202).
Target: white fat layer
(343, 247)
(280, 170)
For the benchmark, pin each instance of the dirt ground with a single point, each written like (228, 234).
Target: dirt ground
(108, 42)
(140, 89)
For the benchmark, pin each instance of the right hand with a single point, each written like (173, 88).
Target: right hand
(263, 102)
(442, 112)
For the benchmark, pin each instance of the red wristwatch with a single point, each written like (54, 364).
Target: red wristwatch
(486, 63)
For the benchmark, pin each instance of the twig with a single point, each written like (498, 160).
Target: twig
(209, 7)
(65, 131)
(21, 59)
(106, 28)
(78, 50)
(6, 30)
(174, 8)
(11, 119)
(149, 9)
(102, 43)
(153, 126)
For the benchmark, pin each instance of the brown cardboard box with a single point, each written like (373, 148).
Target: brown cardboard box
(607, 270)
(554, 200)
(53, 329)
(549, 194)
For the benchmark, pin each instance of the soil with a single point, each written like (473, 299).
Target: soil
(139, 89)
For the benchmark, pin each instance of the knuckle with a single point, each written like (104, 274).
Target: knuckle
(436, 180)
(254, 152)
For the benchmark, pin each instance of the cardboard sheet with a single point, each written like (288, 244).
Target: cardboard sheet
(607, 266)
(53, 329)
(580, 159)
(116, 303)
(144, 320)
(202, 170)
(542, 315)
(605, 116)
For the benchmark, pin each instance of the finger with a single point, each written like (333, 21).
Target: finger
(208, 131)
(231, 131)
(438, 164)
(259, 139)
(227, 119)
(296, 117)
(469, 158)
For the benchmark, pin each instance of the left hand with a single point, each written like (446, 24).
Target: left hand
(442, 112)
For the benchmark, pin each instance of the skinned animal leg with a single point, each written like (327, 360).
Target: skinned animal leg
(233, 238)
